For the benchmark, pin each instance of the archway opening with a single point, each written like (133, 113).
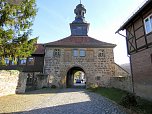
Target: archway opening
(76, 78)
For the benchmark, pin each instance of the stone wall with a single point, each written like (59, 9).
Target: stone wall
(97, 64)
(123, 83)
(42, 80)
(120, 72)
(12, 82)
(142, 73)
(122, 79)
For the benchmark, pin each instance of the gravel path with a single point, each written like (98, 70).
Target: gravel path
(61, 101)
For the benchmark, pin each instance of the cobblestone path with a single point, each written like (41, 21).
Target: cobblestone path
(59, 101)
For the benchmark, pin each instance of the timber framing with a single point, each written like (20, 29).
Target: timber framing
(136, 37)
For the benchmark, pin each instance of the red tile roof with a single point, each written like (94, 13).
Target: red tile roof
(39, 49)
(80, 41)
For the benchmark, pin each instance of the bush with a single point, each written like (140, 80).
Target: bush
(53, 86)
(128, 101)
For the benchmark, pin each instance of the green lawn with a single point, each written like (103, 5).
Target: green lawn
(143, 106)
(111, 93)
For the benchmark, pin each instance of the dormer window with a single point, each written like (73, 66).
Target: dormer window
(148, 24)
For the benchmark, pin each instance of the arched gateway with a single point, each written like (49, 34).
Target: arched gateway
(76, 77)
(76, 50)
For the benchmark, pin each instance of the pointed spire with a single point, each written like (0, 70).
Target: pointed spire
(80, 1)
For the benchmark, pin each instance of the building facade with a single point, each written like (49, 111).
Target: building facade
(31, 66)
(139, 45)
(79, 52)
(54, 64)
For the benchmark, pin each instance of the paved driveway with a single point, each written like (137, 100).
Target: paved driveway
(59, 101)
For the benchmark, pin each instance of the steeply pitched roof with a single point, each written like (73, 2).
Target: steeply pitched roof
(39, 49)
(80, 41)
(148, 3)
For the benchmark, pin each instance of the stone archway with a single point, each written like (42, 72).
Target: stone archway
(72, 80)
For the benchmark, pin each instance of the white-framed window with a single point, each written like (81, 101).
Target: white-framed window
(75, 52)
(82, 53)
(148, 24)
(56, 53)
(23, 61)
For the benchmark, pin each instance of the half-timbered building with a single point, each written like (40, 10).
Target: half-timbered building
(139, 45)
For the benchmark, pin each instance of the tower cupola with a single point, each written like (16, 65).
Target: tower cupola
(79, 27)
(79, 11)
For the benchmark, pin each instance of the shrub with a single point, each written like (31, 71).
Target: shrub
(53, 86)
(128, 100)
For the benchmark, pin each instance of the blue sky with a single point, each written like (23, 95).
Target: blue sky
(105, 17)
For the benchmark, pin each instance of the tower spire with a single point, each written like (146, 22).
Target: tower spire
(80, 1)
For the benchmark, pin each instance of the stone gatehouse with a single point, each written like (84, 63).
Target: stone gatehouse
(79, 52)
(56, 63)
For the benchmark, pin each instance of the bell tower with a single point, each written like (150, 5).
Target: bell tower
(79, 27)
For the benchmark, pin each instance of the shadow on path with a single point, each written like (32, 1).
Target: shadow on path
(74, 101)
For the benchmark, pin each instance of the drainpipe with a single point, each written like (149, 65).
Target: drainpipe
(133, 91)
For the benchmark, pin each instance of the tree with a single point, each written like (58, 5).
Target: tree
(15, 30)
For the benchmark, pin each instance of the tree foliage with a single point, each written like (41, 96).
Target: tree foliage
(15, 29)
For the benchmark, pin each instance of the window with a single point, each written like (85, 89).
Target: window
(101, 53)
(148, 24)
(30, 79)
(56, 52)
(14, 62)
(82, 53)
(30, 61)
(23, 61)
(98, 78)
(7, 61)
(75, 53)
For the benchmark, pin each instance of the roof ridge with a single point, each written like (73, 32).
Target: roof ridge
(86, 41)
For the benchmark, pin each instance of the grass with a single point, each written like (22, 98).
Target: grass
(111, 93)
(142, 107)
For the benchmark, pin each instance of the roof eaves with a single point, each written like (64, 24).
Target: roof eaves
(82, 46)
(133, 16)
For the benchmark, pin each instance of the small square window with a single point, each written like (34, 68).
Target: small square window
(82, 53)
(101, 53)
(98, 78)
(148, 24)
(7, 61)
(13, 62)
(31, 61)
(56, 52)
(75, 53)
(23, 61)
